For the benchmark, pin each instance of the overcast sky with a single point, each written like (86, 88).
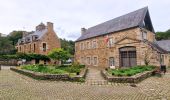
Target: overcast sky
(69, 16)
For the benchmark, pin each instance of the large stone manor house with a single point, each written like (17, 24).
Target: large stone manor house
(125, 41)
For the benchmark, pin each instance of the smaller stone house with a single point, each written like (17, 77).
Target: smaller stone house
(124, 41)
(41, 41)
(165, 44)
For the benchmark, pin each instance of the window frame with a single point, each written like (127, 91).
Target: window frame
(94, 61)
(88, 60)
(44, 48)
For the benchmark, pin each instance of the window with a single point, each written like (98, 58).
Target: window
(95, 61)
(88, 60)
(82, 60)
(110, 42)
(44, 46)
(82, 46)
(94, 44)
(25, 48)
(88, 45)
(30, 47)
(20, 48)
(34, 47)
(111, 61)
(144, 35)
(162, 59)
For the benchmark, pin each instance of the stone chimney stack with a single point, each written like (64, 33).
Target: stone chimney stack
(24, 34)
(49, 25)
(83, 30)
(40, 27)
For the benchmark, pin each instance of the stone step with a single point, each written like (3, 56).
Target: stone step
(99, 82)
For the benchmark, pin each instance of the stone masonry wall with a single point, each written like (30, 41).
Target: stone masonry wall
(130, 37)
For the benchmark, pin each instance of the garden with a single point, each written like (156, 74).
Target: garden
(73, 69)
(133, 74)
(131, 71)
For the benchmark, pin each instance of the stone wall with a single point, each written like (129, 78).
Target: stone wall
(130, 37)
(131, 79)
(12, 62)
(42, 76)
(50, 38)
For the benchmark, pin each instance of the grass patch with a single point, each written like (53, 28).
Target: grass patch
(130, 71)
(72, 70)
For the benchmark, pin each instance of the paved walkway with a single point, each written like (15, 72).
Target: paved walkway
(94, 77)
(14, 86)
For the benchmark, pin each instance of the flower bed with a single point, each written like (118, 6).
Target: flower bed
(130, 75)
(69, 72)
(130, 71)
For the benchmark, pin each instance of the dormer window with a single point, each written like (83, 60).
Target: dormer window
(144, 35)
(35, 37)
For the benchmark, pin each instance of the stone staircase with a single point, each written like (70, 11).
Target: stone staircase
(94, 77)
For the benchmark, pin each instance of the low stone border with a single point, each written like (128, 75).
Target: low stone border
(43, 76)
(131, 79)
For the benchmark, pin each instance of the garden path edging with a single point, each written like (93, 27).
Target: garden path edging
(43, 76)
(131, 79)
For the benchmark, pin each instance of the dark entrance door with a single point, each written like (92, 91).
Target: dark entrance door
(127, 56)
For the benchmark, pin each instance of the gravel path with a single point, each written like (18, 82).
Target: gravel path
(14, 86)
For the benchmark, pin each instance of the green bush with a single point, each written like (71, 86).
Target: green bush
(28, 57)
(53, 69)
(131, 71)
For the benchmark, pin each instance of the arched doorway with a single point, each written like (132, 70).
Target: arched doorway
(127, 56)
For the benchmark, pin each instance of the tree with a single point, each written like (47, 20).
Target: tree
(163, 35)
(14, 36)
(68, 45)
(147, 56)
(59, 54)
(6, 46)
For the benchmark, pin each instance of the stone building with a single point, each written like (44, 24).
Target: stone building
(165, 44)
(125, 41)
(40, 41)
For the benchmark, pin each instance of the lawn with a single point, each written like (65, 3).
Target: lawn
(130, 71)
(62, 69)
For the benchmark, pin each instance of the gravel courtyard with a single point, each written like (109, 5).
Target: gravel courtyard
(14, 86)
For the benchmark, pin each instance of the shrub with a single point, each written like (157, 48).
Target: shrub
(131, 71)
(54, 70)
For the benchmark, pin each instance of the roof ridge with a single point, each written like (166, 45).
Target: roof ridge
(121, 16)
(126, 21)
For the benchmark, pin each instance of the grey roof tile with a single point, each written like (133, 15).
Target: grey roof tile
(164, 44)
(127, 21)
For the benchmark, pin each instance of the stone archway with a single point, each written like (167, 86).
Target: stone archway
(127, 56)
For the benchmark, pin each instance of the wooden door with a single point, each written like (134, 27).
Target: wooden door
(127, 56)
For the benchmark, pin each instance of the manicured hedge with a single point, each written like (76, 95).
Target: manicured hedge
(28, 57)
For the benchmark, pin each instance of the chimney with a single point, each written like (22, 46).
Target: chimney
(83, 30)
(49, 26)
(40, 27)
(24, 34)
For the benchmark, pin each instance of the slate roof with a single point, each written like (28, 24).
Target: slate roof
(38, 33)
(165, 44)
(127, 21)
